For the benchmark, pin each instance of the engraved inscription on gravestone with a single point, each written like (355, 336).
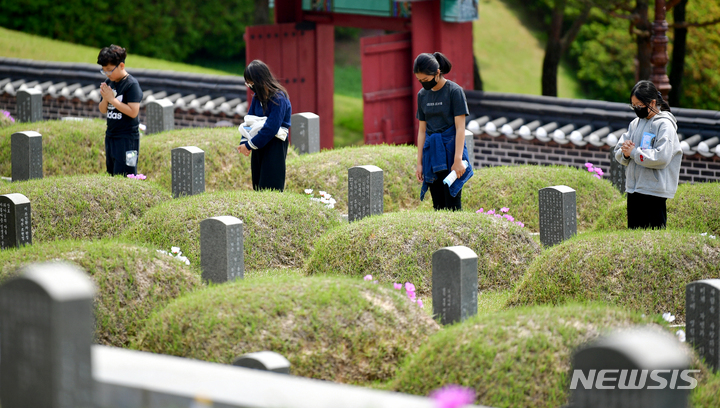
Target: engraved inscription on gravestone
(188, 171)
(29, 105)
(618, 370)
(617, 173)
(46, 330)
(160, 116)
(558, 218)
(702, 319)
(365, 192)
(15, 221)
(305, 132)
(221, 249)
(454, 284)
(26, 155)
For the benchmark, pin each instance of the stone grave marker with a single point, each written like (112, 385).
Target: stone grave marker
(702, 319)
(221, 249)
(15, 221)
(635, 368)
(188, 171)
(160, 116)
(264, 360)
(305, 132)
(46, 329)
(365, 192)
(26, 155)
(617, 174)
(470, 146)
(454, 284)
(29, 105)
(558, 218)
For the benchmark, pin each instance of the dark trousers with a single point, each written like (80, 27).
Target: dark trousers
(267, 165)
(646, 211)
(442, 200)
(116, 149)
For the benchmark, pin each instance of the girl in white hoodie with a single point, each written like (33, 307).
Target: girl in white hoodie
(651, 151)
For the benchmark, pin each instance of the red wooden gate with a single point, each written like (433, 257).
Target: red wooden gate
(389, 113)
(301, 56)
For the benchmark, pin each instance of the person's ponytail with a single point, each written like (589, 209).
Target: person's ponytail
(445, 64)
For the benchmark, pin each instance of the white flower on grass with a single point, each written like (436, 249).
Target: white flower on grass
(668, 317)
(331, 206)
(175, 250)
(703, 234)
(322, 193)
(308, 191)
(712, 236)
(681, 335)
(184, 259)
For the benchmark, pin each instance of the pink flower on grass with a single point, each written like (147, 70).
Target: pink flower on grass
(599, 171)
(509, 217)
(591, 169)
(498, 215)
(520, 223)
(420, 303)
(504, 209)
(140, 176)
(453, 396)
(397, 286)
(491, 212)
(598, 177)
(480, 211)
(368, 277)
(588, 165)
(409, 287)
(411, 294)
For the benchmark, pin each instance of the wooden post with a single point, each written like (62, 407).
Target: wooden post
(659, 52)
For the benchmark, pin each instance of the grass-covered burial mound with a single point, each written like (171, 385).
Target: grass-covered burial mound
(131, 280)
(343, 330)
(78, 147)
(695, 207)
(398, 247)
(85, 207)
(279, 229)
(328, 171)
(644, 270)
(516, 187)
(515, 358)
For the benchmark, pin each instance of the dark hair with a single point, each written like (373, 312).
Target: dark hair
(428, 64)
(646, 92)
(112, 55)
(265, 85)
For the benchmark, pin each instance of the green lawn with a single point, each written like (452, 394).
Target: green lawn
(510, 53)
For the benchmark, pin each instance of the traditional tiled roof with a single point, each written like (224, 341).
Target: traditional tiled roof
(213, 93)
(580, 121)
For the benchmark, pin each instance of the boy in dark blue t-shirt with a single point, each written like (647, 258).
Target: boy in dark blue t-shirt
(121, 96)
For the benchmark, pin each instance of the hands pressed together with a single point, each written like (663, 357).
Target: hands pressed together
(627, 148)
(106, 92)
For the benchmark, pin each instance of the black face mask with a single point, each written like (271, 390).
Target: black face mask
(429, 84)
(642, 113)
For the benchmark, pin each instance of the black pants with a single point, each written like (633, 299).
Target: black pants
(116, 149)
(442, 200)
(268, 165)
(646, 211)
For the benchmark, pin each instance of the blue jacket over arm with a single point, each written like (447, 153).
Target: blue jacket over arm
(439, 155)
(278, 115)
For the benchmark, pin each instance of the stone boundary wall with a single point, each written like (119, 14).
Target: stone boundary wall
(503, 151)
